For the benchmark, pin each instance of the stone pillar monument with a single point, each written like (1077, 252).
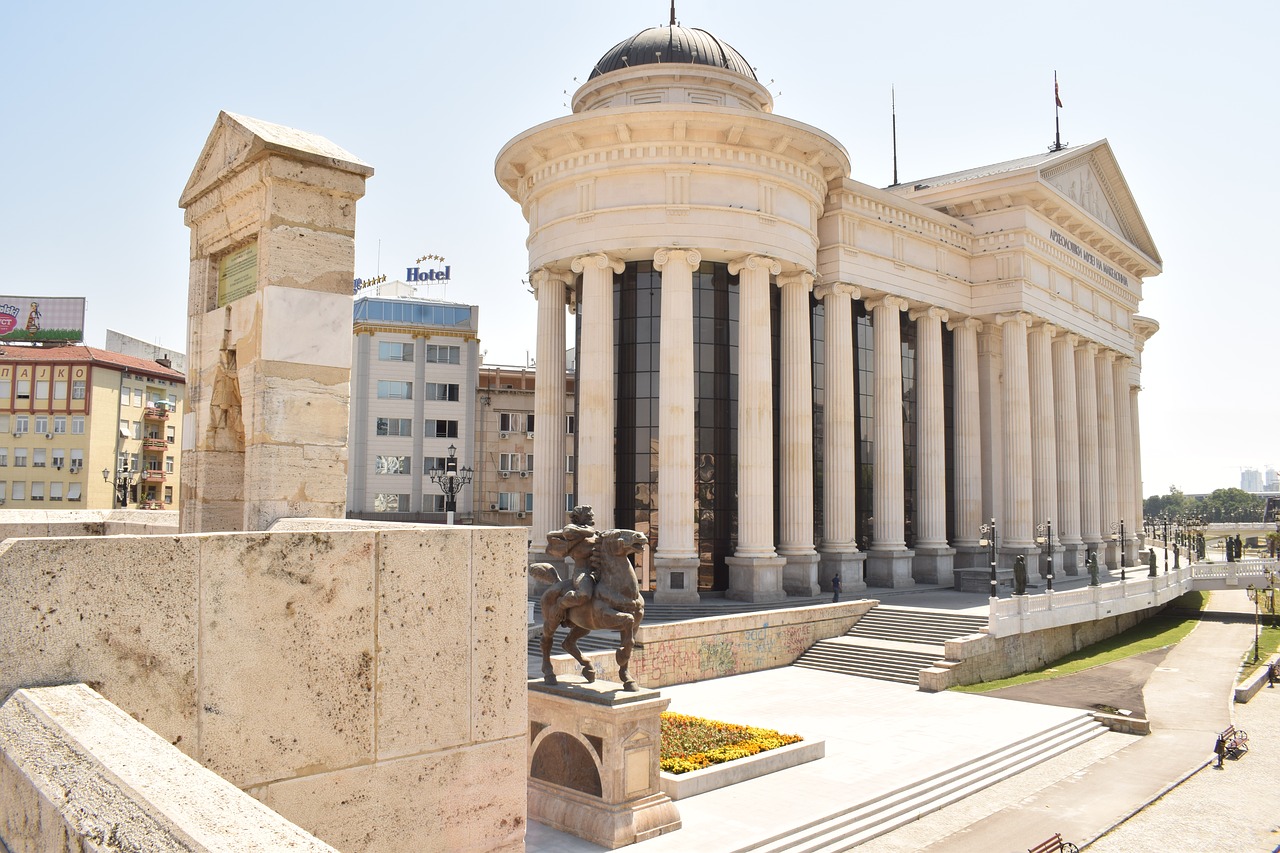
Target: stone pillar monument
(272, 215)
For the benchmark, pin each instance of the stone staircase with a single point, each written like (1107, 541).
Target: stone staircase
(852, 826)
(891, 643)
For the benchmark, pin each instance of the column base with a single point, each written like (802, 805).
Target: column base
(677, 580)
(1057, 562)
(1110, 556)
(971, 556)
(1006, 557)
(1073, 556)
(755, 579)
(890, 568)
(933, 564)
(848, 564)
(800, 575)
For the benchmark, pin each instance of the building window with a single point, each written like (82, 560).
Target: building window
(391, 465)
(173, 401)
(569, 502)
(433, 503)
(433, 463)
(38, 457)
(55, 491)
(442, 428)
(137, 429)
(24, 389)
(42, 389)
(515, 422)
(5, 387)
(19, 457)
(391, 390)
(568, 467)
(393, 351)
(21, 424)
(168, 464)
(4, 423)
(515, 461)
(37, 491)
(4, 457)
(170, 434)
(133, 463)
(137, 397)
(510, 501)
(77, 459)
(443, 354)
(4, 490)
(442, 391)
(124, 426)
(77, 389)
(528, 501)
(168, 494)
(60, 390)
(395, 426)
(77, 425)
(570, 424)
(384, 502)
(42, 424)
(73, 491)
(59, 424)
(58, 458)
(20, 491)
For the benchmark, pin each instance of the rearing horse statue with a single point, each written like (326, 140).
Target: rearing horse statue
(603, 594)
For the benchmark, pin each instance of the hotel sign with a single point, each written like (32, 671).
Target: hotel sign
(1101, 266)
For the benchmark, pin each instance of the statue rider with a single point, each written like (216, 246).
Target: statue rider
(577, 539)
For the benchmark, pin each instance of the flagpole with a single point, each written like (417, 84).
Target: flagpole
(893, 109)
(1057, 126)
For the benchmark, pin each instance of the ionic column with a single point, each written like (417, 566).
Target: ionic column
(594, 472)
(1067, 433)
(1044, 459)
(933, 561)
(1124, 458)
(548, 408)
(755, 570)
(1090, 454)
(839, 547)
(1107, 461)
(1018, 536)
(889, 561)
(795, 535)
(1138, 503)
(676, 558)
(990, 373)
(967, 443)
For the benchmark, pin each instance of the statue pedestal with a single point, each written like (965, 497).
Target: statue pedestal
(593, 766)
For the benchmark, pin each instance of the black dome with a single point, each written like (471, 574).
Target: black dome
(672, 44)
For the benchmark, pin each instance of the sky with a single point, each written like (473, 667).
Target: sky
(106, 107)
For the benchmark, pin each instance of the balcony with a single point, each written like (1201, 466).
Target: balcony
(155, 443)
(153, 475)
(158, 412)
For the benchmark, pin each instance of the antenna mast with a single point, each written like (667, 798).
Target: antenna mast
(893, 109)
(673, 13)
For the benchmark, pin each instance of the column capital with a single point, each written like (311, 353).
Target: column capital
(691, 257)
(1107, 355)
(1071, 339)
(599, 260)
(837, 288)
(931, 311)
(1049, 329)
(804, 278)
(1015, 317)
(896, 303)
(545, 275)
(755, 262)
(971, 323)
(1091, 347)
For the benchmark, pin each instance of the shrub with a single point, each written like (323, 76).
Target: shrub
(692, 743)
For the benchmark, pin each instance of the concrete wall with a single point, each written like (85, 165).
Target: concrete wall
(86, 522)
(366, 681)
(682, 652)
(981, 657)
(77, 773)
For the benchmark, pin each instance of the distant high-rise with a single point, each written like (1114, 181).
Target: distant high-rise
(1251, 480)
(1273, 481)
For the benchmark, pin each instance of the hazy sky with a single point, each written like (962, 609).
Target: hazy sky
(106, 107)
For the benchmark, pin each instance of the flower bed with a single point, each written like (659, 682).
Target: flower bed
(692, 743)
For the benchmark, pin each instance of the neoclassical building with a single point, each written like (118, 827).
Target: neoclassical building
(784, 373)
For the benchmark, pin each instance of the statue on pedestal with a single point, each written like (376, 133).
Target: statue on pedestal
(1092, 564)
(603, 593)
(1020, 575)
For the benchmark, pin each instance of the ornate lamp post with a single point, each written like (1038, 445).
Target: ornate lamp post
(451, 480)
(1045, 538)
(1117, 533)
(119, 485)
(1254, 593)
(988, 532)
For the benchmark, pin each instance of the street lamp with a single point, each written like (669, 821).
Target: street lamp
(1118, 528)
(451, 479)
(119, 485)
(1046, 539)
(1165, 519)
(988, 532)
(1253, 593)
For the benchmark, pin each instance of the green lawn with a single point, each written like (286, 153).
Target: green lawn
(1155, 633)
(1268, 644)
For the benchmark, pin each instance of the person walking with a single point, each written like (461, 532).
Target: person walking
(836, 585)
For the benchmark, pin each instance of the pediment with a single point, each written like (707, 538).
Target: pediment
(236, 141)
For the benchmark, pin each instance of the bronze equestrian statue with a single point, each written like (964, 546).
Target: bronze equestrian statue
(603, 594)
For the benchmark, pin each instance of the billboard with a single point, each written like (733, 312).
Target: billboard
(41, 318)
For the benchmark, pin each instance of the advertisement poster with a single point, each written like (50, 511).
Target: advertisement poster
(41, 318)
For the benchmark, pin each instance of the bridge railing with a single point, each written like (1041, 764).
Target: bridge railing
(1021, 614)
(1240, 573)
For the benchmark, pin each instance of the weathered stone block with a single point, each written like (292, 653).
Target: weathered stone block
(499, 705)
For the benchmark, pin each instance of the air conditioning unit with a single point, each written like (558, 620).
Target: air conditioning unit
(520, 515)
(524, 474)
(493, 507)
(505, 474)
(48, 436)
(504, 435)
(528, 435)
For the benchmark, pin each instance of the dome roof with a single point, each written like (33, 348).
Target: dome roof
(670, 45)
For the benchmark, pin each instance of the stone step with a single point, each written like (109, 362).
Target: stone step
(852, 826)
(901, 662)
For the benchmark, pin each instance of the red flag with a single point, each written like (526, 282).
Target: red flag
(1056, 97)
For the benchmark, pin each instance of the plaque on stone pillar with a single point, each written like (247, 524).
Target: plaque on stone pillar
(593, 762)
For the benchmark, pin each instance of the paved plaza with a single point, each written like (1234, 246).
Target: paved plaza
(881, 736)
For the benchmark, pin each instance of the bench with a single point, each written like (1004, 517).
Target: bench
(1054, 844)
(1232, 742)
